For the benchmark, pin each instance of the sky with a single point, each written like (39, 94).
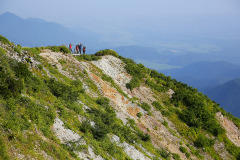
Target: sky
(155, 23)
(79, 12)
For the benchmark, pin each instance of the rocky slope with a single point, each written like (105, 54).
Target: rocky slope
(82, 108)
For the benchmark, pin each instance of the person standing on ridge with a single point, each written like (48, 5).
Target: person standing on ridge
(70, 47)
(84, 49)
(80, 48)
(77, 48)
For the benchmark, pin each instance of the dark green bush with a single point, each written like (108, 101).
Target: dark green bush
(77, 83)
(183, 149)
(135, 82)
(144, 137)
(59, 89)
(163, 153)
(187, 154)
(165, 123)
(21, 71)
(157, 105)
(85, 126)
(107, 52)
(145, 106)
(203, 142)
(176, 156)
(104, 122)
(165, 113)
(139, 114)
(64, 49)
(10, 86)
(103, 101)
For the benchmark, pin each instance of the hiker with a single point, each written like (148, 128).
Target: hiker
(70, 47)
(80, 48)
(84, 49)
(77, 48)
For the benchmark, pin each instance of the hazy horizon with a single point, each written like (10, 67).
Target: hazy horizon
(185, 26)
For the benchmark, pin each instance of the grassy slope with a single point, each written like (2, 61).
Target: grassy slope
(25, 119)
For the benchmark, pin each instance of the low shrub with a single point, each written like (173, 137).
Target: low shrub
(32, 51)
(22, 71)
(107, 78)
(203, 142)
(59, 89)
(139, 114)
(16, 49)
(183, 149)
(165, 123)
(4, 40)
(144, 137)
(103, 101)
(176, 156)
(157, 105)
(87, 57)
(135, 82)
(107, 52)
(145, 106)
(163, 153)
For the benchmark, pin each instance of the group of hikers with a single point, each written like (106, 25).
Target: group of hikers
(79, 48)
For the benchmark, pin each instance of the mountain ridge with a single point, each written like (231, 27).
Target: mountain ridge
(103, 106)
(37, 32)
(227, 95)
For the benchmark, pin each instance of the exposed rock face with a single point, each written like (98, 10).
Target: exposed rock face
(131, 151)
(66, 135)
(114, 68)
(232, 131)
(54, 58)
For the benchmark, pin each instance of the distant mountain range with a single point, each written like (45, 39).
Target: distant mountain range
(219, 80)
(204, 75)
(37, 32)
(228, 96)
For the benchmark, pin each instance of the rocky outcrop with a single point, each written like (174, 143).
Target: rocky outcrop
(232, 131)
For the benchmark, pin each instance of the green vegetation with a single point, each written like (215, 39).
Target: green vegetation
(139, 114)
(135, 82)
(4, 40)
(157, 105)
(3, 152)
(107, 78)
(62, 49)
(2, 51)
(30, 101)
(107, 52)
(16, 49)
(197, 113)
(87, 57)
(145, 106)
(175, 156)
(163, 153)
